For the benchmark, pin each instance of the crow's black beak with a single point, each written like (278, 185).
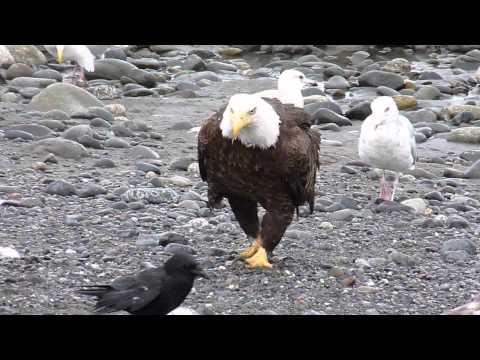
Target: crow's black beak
(201, 273)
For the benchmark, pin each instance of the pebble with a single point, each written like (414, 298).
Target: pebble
(61, 187)
(456, 221)
(175, 248)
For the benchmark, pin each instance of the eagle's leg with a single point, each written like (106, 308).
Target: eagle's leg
(274, 225)
(246, 214)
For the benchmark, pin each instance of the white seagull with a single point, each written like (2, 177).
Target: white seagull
(80, 54)
(290, 85)
(387, 141)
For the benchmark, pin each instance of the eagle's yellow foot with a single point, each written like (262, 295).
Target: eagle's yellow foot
(259, 260)
(251, 250)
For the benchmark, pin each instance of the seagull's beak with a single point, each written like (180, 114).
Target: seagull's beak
(200, 272)
(239, 121)
(60, 55)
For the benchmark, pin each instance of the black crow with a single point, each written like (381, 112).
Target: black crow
(155, 291)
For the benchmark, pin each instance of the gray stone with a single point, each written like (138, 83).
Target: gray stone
(469, 135)
(312, 108)
(19, 70)
(104, 164)
(144, 152)
(61, 147)
(18, 134)
(91, 190)
(27, 54)
(428, 93)
(337, 82)
(48, 74)
(61, 187)
(146, 167)
(457, 221)
(29, 92)
(122, 131)
(55, 125)
(34, 129)
(377, 78)
(31, 82)
(325, 116)
(470, 155)
(116, 142)
(75, 132)
(459, 245)
(193, 62)
(150, 195)
(56, 115)
(175, 248)
(98, 122)
(182, 125)
(65, 97)
(360, 111)
(473, 172)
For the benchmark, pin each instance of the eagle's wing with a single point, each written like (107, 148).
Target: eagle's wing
(206, 135)
(304, 160)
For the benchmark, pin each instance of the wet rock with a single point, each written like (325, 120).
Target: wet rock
(419, 205)
(146, 167)
(314, 107)
(175, 248)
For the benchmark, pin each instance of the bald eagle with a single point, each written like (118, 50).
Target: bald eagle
(258, 150)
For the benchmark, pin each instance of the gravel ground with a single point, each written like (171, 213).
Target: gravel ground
(350, 257)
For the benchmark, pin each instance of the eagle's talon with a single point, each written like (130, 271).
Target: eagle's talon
(259, 260)
(252, 250)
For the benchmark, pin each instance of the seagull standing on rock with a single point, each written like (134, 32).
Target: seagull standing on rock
(387, 141)
(290, 85)
(80, 54)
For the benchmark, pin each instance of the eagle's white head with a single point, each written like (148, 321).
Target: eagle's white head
(251, 120)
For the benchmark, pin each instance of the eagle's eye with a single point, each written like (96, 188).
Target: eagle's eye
(251, 112)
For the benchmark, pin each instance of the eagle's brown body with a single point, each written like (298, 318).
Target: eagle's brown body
(279, 178)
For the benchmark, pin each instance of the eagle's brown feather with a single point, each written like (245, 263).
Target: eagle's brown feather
(280, 178)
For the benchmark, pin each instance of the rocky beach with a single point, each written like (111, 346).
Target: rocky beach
(102, 181)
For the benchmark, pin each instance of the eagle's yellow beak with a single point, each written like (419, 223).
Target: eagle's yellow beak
(60, 55)
(239, 121)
